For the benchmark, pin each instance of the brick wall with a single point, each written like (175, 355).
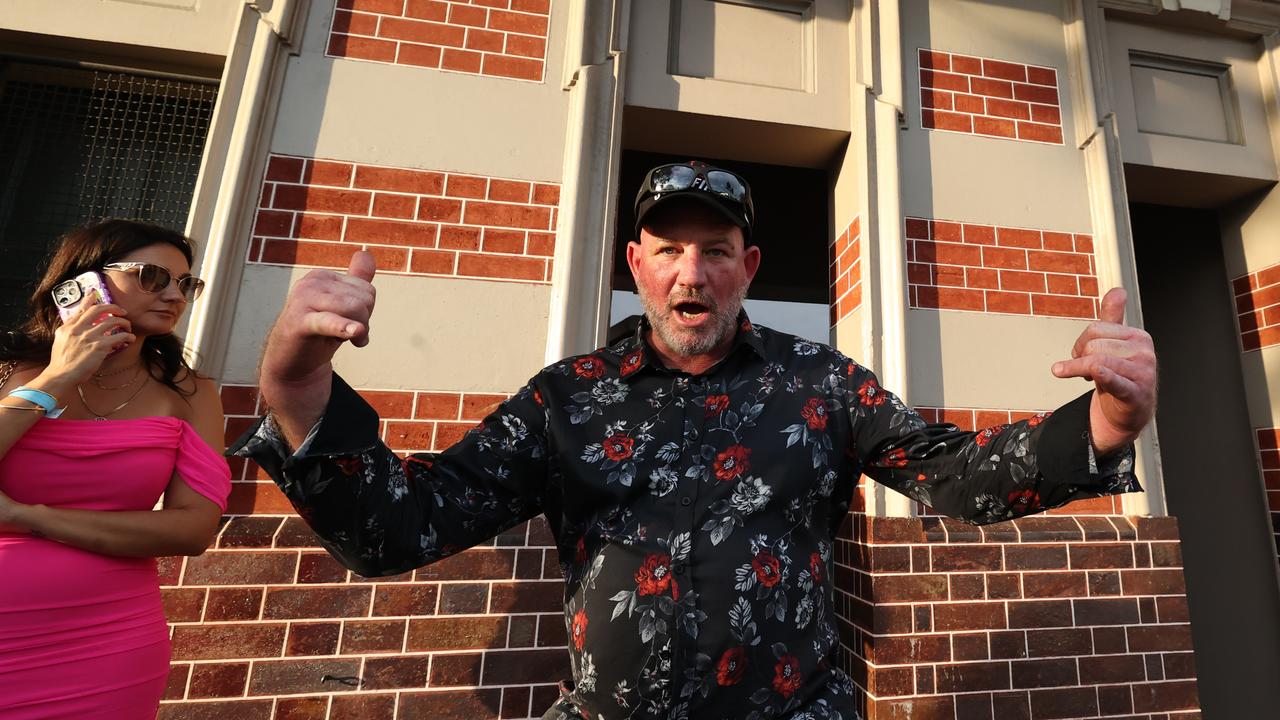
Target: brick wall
(500, 38)
(317, 212)
(846, 272)
(267, 625)
(1258, 304)
(983, 268)
(1043, 617)
(1269, 459)
(995, 98)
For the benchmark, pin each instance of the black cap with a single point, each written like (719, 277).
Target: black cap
(732, 200)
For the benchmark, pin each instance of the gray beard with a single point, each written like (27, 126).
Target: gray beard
(724, 322)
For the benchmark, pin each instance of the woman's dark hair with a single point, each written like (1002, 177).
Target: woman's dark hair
(89, 248)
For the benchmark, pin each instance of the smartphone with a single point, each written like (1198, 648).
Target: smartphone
(70, 295)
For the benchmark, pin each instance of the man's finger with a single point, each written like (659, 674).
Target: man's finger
(332, 325)
(1113, 306)
(362, 266)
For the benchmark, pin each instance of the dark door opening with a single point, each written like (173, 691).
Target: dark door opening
(1211, 477)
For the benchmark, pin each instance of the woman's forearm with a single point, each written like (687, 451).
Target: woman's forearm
(128, 533)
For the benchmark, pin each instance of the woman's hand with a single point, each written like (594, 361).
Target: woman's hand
(10, 516)
(81, 344)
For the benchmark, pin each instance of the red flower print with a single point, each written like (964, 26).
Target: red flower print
(350, 465)
(815, 566)
(870, 394)
(590, 367)
(716, 404)
(410, 461)
(895, 458)
(618, 447)
(732, 666)
(1024, 501)
(815, 413)
(654, 577)
(732, 462)
(537, 396)
(746, 326)
(786, 676)
(1038, 418)
(766, 567)
(986, 435)
(921, 477)
(580, 629)
(631, 363)
(580, 553)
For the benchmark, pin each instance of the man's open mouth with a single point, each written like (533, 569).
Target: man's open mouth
(690, 310)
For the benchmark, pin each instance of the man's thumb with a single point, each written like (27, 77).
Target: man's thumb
(362, 266)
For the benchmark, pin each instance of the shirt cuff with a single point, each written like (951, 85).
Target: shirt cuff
(348, 426)
(1068, 463)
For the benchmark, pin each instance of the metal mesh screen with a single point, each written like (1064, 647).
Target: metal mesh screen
(78, 145)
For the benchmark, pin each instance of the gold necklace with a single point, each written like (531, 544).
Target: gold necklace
(96, 379)
(103, 416)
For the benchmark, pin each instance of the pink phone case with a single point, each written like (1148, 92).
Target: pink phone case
(69, 295)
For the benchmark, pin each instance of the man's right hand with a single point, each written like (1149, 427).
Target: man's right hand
(323, 310)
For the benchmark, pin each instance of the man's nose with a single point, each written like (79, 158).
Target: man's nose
(692, 271)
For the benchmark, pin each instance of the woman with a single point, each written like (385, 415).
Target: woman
(82, 632)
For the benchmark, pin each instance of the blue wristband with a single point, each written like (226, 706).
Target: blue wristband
(39, 397)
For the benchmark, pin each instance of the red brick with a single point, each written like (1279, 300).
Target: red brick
(241, 568)
(512, 67)
(1040, 133)
(232, 604)
(326, 172)
(1007, 302)
(1040, 614)
(951, 298)
(934, 60)
(355, 23)
(969, 616)
(1062, 284)
(969, 677)
(972, 104)
(273, 223)
(399, 180)
(1054, 584)
(515, 268)
(953, 558)
(1008, 109)
(1055, 262)
(1010, 258)
(387, 7)
(452, 704)
(316, 602)
(949, 253)
(361, 48)
(182, 604)
(935, 99)
(907, 588)
(1042, 76)
(943, 231)
(947, 121)
(994, 127)
(427, 10)
(1062, 306)
(427, 33)
(917, 228)
(212, 680)
(510, 190)
(1100, 555)
(404, 600)
(456, 633)
(518, 23)
(1036, 94)
(320, 199)
(1163, 697)
(1106, 669)
(948, 276)
(1022, 281)
(461, 669)
(410, 435)
(965, 64)
(1055, 672)
(467, 61)
(432, 262)
(485, 40)
(526, 596)
(391, 232)
(302, 708)
(318, 227)
(503, 241)
(532, 6)
(944, 81)
(475, 406)
(1019, 238)
(282, 168)
(1084, 243)
(1153, 582)
(264, 497)
(279, 677)
(546, 194)
(1004, 70)
(1105, 611)
(1159, 638)
(1046, 114)
(239, 399)
(419, 55)
(233, 641)
(372, 636)
(468, 15)
(388, 259)
(541, 244)
(991, 88)
(394, 206)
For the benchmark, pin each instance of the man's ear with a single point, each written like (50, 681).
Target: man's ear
(634, 248)
(751, 261)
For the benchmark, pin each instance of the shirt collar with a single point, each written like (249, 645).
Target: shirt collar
(638, 354)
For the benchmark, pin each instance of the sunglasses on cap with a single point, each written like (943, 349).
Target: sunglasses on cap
(731, 192)
(155, 278)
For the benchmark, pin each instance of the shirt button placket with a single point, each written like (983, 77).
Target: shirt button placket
(695, 418)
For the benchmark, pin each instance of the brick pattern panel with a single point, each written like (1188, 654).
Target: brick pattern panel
(1269, 459)
(267, 625)
(995, 98)
(973, 419)
(983, 268)
(1044, 617)
(846, 272)
(316, 213)
(499, 38)
(1258, 304)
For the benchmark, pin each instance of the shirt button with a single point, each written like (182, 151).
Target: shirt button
(685, 501)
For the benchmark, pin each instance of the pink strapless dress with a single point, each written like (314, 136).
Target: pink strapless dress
(83, 635)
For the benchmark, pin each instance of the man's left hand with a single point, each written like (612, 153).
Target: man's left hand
(1121, 362)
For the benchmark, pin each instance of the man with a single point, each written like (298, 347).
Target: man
(694, 474)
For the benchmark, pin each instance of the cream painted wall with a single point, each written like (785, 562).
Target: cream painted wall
(427, 333)
(966, 359)
(1253, 159)
(416, 117)
(846, 337)
(824, 104)
(972, 178)
(1261, 370)
(188, 25)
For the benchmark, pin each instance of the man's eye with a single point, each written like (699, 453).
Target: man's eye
(668, 250)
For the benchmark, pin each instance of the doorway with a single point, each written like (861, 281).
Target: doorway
(1211, 478)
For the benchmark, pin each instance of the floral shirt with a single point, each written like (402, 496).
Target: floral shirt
(695, 516)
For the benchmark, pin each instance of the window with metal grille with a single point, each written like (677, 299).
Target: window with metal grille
(80, 144)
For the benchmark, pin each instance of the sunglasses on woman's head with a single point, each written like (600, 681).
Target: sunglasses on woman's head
(155, 278)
